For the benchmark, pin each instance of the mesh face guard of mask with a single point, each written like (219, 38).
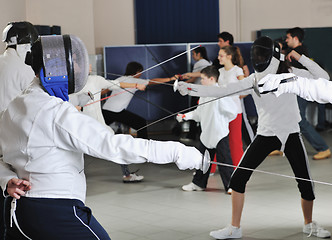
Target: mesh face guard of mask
(65, 65)
(262, 52)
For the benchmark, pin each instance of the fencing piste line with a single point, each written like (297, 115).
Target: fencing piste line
(271, 173)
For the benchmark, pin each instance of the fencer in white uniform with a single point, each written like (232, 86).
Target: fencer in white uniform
(43, 139)
(15, 75)
(278, 129)
(214, 116)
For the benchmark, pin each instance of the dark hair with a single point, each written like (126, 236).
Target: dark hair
(133, 68)
(284, 67)
(283, 43)
(226, 36)
(211, 71)
(35, 57)
(237, 58)
(296, 32)
(24, 32)
(202, 51)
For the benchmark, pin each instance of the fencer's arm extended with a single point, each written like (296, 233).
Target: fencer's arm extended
(77, 132)
(319, 90)
(115, 84)
(245, 86)
(314, 69)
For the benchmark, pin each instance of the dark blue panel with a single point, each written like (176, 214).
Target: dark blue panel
(116, 59)
(176, 21)
(160, 53)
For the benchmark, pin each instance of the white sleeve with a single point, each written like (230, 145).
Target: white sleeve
(242, 87)
(315, 70)
(80, 133)
(319, 90)
(73, 99)
(227, 107)
(193, 115)
(108, 84)
(239, 72)
(5, 173)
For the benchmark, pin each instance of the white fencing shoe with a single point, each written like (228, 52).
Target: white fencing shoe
(229, 232)
(313, 229)
(191, 187)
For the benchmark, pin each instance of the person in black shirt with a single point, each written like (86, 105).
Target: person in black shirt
(294, 40)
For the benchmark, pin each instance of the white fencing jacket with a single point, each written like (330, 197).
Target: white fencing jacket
(214, 118)
(15, 76)
(43, 139)
(95, 84)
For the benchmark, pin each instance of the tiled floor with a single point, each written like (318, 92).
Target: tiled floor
(157, 208)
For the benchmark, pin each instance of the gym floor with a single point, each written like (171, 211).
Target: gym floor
(157, 208)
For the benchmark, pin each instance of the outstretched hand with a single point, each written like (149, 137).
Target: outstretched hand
(141, 87)
(180, 117)
(271, 82)
(17, 187)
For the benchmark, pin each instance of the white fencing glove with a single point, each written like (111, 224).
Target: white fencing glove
(185, 88)
(271, 83)
(188, 158)
(84, 98)
(184, 157)
(180, 117)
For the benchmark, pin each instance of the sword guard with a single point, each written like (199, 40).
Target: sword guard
(255, 87)
(175, 85)
(206, 161)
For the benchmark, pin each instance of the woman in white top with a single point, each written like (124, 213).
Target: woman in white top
(201, 61)
(232, 72)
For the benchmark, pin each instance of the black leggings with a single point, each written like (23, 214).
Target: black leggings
(128, 118)
(260, 148)
(223, 155)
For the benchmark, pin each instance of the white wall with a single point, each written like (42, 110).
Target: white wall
(244, 17)
(13, 10)
(114, 23)
(111, 22)
(74, 17)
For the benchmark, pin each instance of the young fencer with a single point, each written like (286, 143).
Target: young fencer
(214, 118)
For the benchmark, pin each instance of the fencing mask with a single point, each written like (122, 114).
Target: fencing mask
(265, 56)
(62, 64)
